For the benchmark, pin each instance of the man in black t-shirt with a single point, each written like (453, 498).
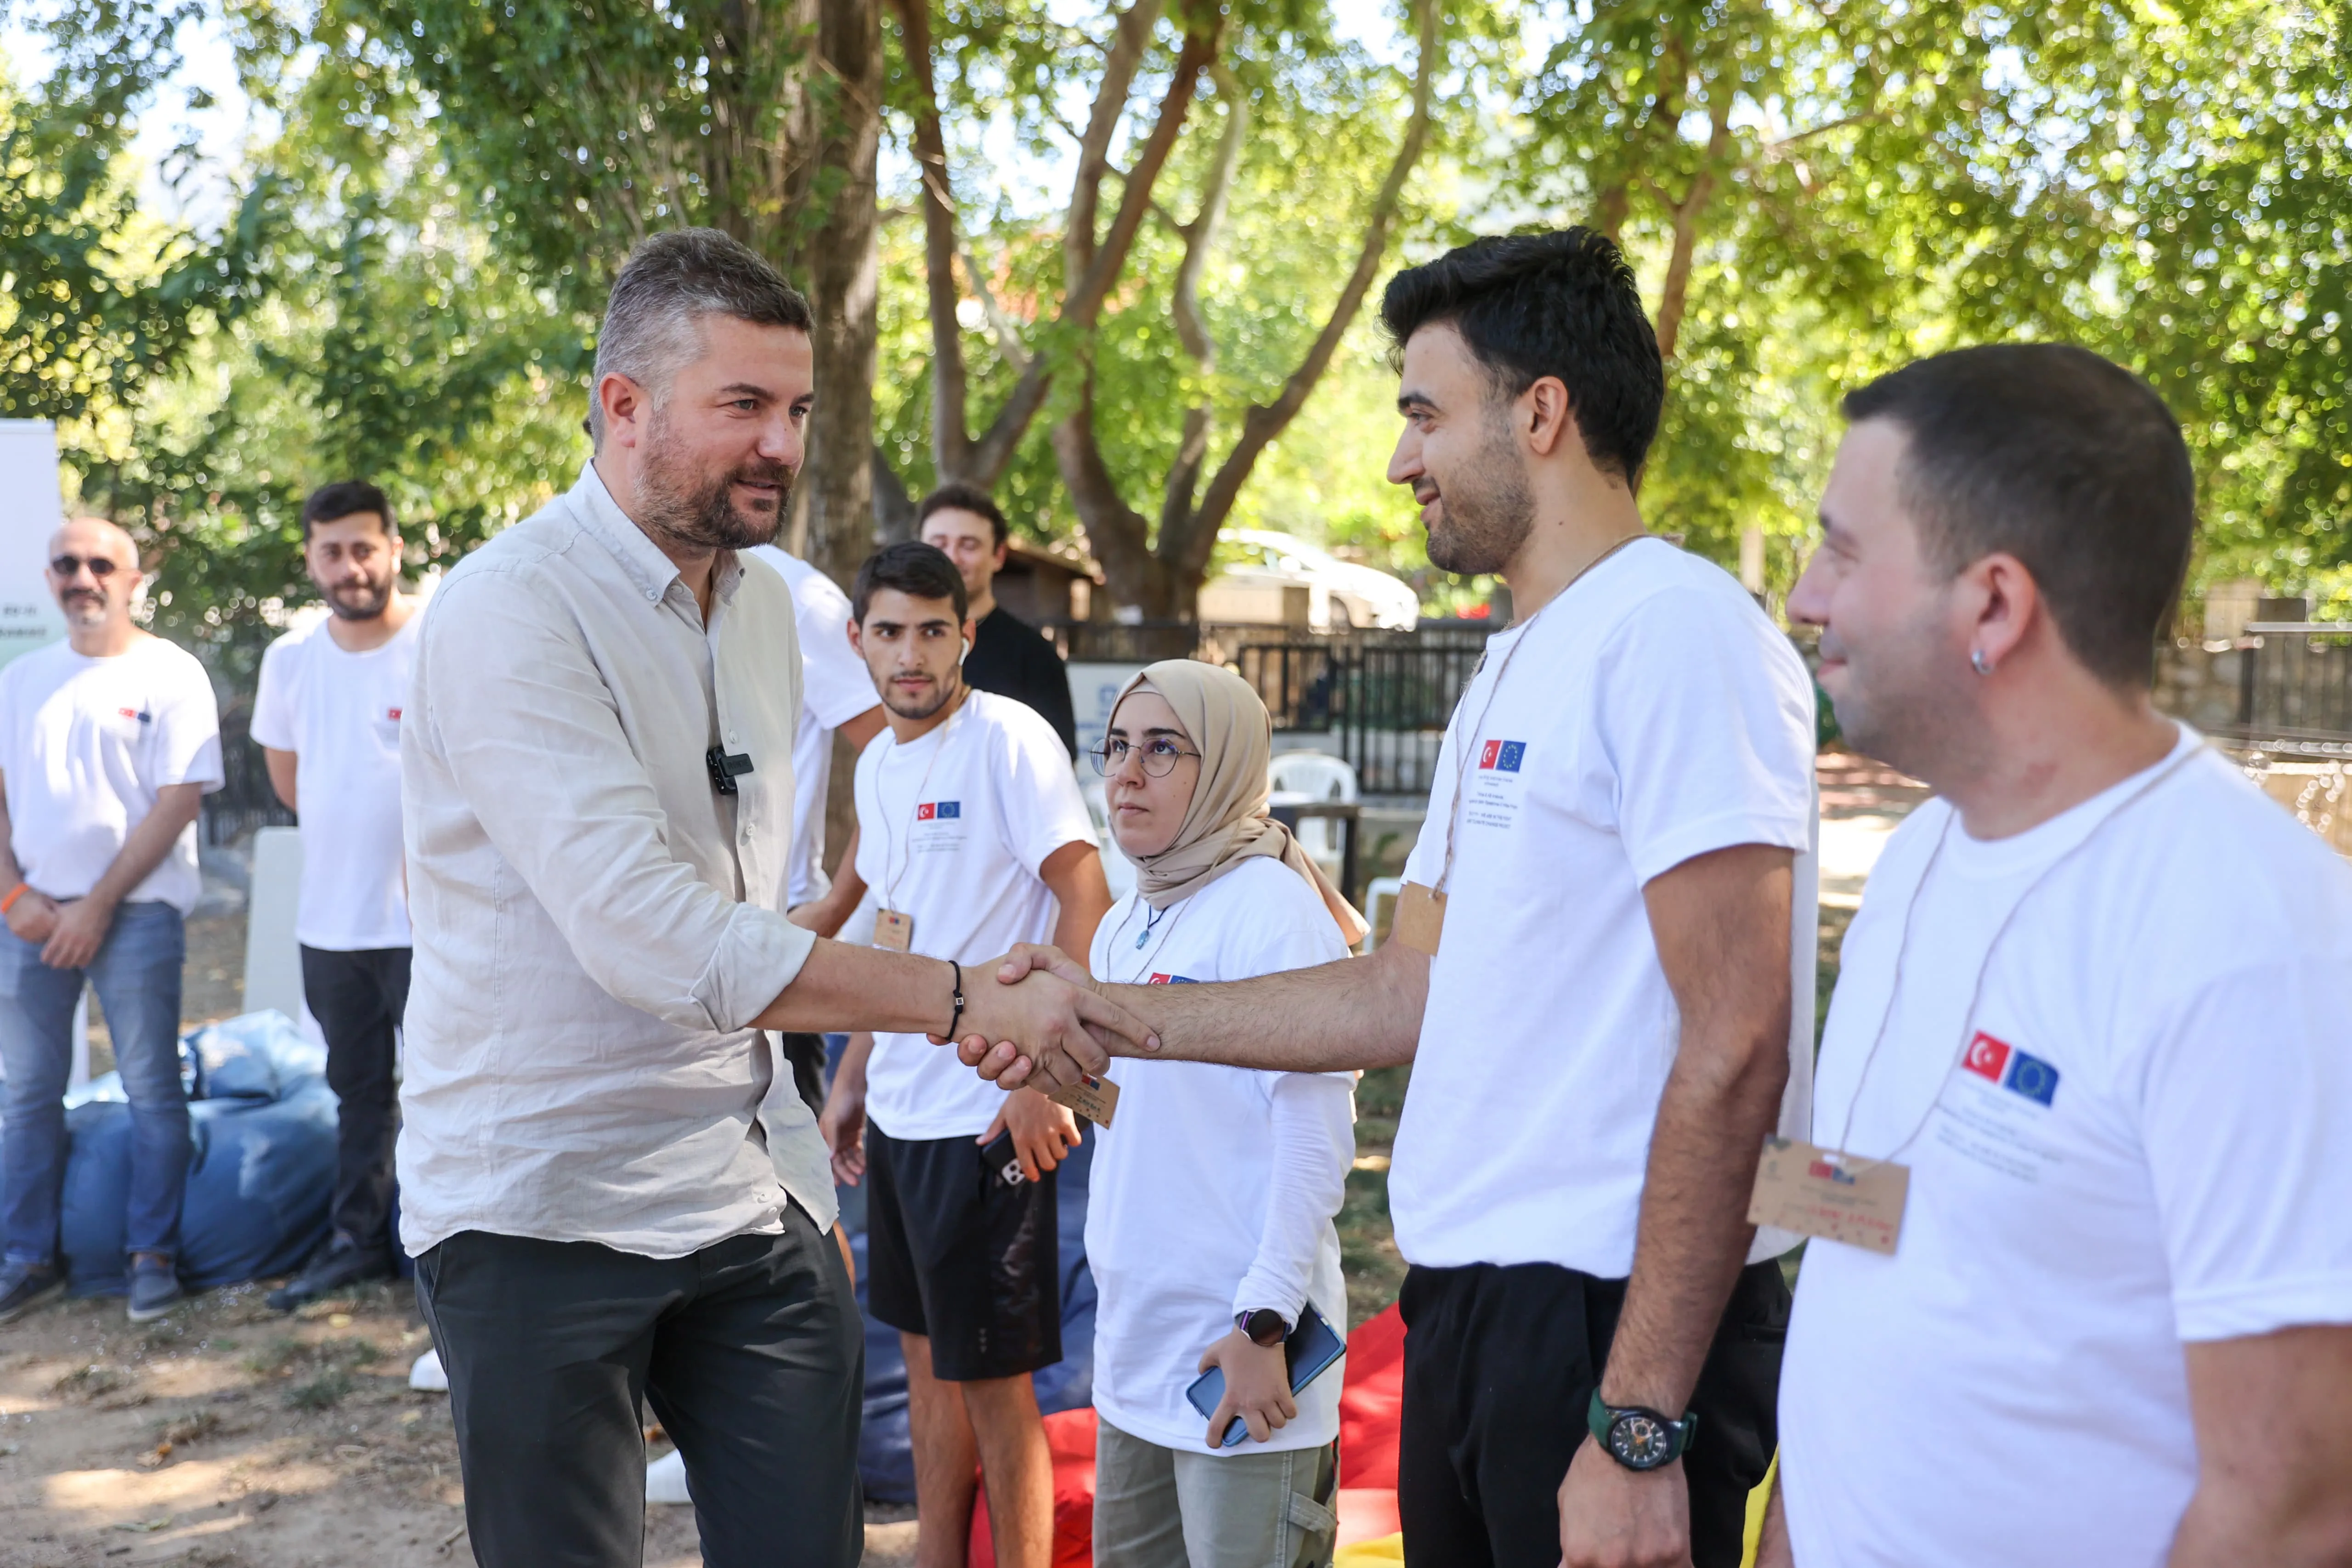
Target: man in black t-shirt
(1008, 656)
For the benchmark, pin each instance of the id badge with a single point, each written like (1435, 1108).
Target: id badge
(894, 931)
(1093, 1097)
(1420, 918)
(1821, 1192)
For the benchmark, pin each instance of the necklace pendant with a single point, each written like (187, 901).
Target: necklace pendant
(1141, 936)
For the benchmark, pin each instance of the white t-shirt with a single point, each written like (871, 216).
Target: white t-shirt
(1214, 1188)
(2140, 1135)
(952, 830)
(1653, 715)
(338, 713)
(86, 743)
(836, 687)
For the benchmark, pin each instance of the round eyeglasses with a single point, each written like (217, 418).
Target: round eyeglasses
(1158, 756)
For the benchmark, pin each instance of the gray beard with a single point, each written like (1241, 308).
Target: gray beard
(704, 517)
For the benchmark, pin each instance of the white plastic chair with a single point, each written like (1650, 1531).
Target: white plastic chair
(1318, 776)
(1116, 871)
(1380, 890)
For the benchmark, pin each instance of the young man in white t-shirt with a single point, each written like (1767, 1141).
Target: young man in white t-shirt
(972, 837)
(107, 742)
(327, 716)
(836, 697)
(1603, 970)
(2097, 1005)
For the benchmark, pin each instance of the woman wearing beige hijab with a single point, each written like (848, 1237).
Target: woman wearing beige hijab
(1209, 1224)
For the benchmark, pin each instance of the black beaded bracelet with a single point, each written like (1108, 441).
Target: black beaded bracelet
(950, 1035)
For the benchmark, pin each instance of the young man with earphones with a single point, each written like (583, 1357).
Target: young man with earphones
(972, 836)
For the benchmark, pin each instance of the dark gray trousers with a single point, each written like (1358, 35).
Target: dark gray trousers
(750, 1352)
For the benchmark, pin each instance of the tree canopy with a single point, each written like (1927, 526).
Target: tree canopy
(1113, 259)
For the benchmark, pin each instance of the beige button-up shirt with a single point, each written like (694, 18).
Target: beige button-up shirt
(596, 926)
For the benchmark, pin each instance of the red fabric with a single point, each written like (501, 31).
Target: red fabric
(1369, 1402)
(1070, 1436)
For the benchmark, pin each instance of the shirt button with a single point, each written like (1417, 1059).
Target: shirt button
(654, 594)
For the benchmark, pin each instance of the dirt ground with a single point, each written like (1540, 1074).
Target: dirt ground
(227, 1434)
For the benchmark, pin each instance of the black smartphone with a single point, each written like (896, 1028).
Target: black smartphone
(1308, 1354)
(1003, 1160)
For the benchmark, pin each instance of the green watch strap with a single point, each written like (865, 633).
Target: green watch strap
(1601, 1417)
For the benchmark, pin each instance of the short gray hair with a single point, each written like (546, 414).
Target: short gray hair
(670, 282)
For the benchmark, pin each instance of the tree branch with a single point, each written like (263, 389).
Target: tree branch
(950, 431)
(1120, 62)
(1262, 425)
(1082, 302)
(1184, 298)
(1675, 298)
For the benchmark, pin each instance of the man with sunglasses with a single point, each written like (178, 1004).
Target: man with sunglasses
(971, 836)
(108, 744)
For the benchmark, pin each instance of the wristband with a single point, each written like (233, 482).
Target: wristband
(957, 1017)
(8, 901)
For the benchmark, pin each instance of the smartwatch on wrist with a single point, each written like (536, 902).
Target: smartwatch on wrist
(1264, 1327)
(1639, 1437)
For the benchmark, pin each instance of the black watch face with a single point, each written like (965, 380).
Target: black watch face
(1641, 1441)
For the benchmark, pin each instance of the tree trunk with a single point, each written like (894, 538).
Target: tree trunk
(838, 477)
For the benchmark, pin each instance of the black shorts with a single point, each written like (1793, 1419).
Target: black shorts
(1499, 1367)
(953, 1254)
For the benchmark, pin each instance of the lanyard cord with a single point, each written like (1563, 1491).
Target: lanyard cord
(1464, 754)
(1158, 948)
(1976, 989)
(890, 879)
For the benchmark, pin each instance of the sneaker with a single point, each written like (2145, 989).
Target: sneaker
(342, 1263)
(24, 1286)
(154, 1289)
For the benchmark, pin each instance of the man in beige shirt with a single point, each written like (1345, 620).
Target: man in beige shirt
(597, 774)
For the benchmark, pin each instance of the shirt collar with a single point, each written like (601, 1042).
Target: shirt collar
(641, 559)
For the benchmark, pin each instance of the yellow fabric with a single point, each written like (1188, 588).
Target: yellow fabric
(1389, 1549)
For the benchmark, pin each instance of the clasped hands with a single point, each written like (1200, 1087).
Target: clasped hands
(1044, 1024)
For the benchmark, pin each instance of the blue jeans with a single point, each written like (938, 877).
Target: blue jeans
(137, 975)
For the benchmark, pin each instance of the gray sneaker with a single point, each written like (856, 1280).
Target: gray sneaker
(24, 1286)
(154, 1290)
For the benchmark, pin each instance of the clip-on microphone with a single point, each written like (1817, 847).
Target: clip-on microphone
(726, 767)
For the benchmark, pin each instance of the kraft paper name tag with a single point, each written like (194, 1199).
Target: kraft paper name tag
(894, 931)
(1420, 918)
(1093, 1097)
(1819, 1192)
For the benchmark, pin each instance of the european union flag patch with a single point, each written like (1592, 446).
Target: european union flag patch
(2032, 1077)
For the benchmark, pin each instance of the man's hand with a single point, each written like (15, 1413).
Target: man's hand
(32, 916)
(1257, 1387)
(1042, 1131)
(1003, 1062)
(842, 1125)
(80, 929)
(1044, 1024)
(1610, 1517)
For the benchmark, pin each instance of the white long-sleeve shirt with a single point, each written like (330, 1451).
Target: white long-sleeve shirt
(1214, 1188)
(595, 925)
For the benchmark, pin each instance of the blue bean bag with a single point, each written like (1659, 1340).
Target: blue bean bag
(261, 1169)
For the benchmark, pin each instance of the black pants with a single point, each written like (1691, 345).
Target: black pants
(750, 1352)
(804, 1058)
(1500, 1368)
(358, 998)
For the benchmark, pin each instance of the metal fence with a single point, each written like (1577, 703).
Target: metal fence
(245, 800)
(1386, 696)
(2294, 691)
